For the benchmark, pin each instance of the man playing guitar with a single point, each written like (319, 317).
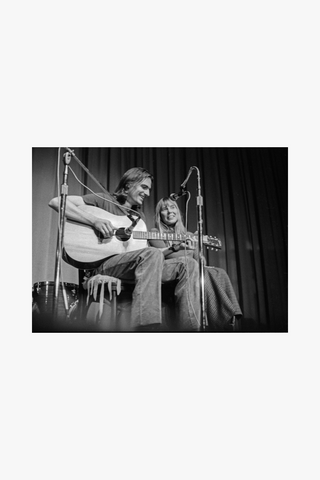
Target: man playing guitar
(132, 260)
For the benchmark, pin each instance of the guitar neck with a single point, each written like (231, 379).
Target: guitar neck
(211, 242)
(160, 236)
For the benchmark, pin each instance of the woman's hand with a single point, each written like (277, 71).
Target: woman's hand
(188, 245)
(178, 250)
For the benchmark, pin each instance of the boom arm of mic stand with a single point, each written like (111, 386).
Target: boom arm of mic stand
(93, 178)
(203, 319)
(86, 170)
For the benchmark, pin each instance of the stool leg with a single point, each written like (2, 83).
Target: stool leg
(114, 304)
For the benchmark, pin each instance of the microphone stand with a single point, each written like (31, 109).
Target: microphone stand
(64, 193)
(86, 169)
(203, 319)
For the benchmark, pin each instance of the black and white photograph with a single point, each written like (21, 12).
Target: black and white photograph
(160, 259)
(160, 239)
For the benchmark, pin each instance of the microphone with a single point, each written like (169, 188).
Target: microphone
(70, 151)
(182, 192)
(67, 155)
(128, 230)
(183, 184)
(175, 196)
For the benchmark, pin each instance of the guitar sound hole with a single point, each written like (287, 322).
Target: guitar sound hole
(122, 235)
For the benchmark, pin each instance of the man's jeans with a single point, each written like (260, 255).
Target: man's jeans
(148, 268)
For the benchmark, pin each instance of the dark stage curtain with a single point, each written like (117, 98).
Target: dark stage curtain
(245, 193)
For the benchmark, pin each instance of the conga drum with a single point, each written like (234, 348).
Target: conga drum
(43, 302)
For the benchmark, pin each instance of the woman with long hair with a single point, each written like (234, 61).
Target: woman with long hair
(221, 303)
(144, 267)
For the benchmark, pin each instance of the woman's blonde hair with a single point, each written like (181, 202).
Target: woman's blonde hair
(160, 225)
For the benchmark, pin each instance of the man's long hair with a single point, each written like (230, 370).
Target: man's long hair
(160, 225)
(130, 178)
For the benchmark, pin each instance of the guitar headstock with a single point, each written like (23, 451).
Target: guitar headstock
(212, 243)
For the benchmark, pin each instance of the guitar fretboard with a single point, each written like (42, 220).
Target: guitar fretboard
(159, 236)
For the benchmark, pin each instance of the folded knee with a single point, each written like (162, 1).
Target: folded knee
(192, 264)
(153, 253)
(189, 266)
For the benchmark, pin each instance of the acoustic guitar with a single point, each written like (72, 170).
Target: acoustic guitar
(86, 248)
